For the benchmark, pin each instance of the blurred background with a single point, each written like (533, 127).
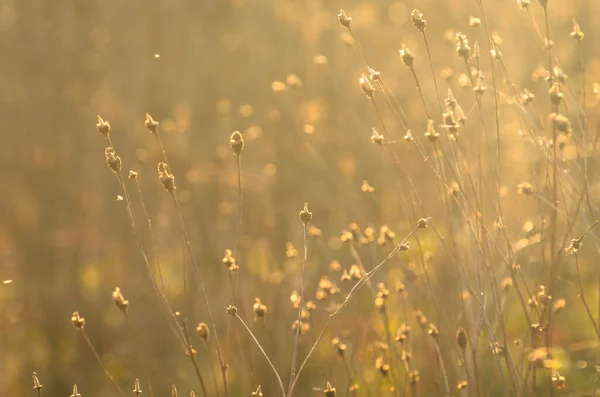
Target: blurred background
(285, 74)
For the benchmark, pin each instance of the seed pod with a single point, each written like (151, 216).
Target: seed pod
(461, 338)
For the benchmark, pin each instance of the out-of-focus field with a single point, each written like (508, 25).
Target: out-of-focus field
(285, 74)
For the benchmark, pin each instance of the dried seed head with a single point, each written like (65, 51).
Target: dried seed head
(462, 46)
(559, 305)
(574, 246)
(305, 215)
(556, 96)
(414, 377)
(344, 19)
(560, 380)
(120, 301)
(407, 56)
(479, 88)
(151, 124)
(203, 331)
(474, 21)
(231, 310)
(431, 134)
(365, 187)
(523, 4)
(527, 97)
(577, 34)
(295, 299)
(422, 223)
(376, 137)
(174, 391)
(236, 142)
(461, 338)
(229, 261)
(433, 331)
(36, 382)
(329, 390)
(103, 127)
(132, 174)
(165, 177)
(381, 366)
(78, 321)
(257, 393)
(112, 160)
(506, 283)
(525, 189)
(421, 319)
(75, 392)
(259, 309)
(462, 385)
(543, 3)
(355, 272)
(374, 75)
(417, 19)
(366, 86)
(561, 123)
(137, 390)
(293, 81)
(560, 75)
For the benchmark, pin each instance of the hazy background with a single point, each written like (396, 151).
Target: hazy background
(204, 69)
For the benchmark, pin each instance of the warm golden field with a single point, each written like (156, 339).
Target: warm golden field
(448, 156)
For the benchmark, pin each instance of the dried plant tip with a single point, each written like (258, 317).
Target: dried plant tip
(476, 50)
(417, 19)
(560, 380)
(376, 137)
(451, 101)
(120, 301)
(414, 377)
(506, 283)
(561, 123)
(461, 338)
(431, 134)
(462, 385)
(422, 223)
(236, 142)
(474, 21)
(556, 96)
(329, 390)
(344, 19)
(365, 187)
(523, 4)
(229, 261)
(203, 331)
(174, 391)
(407, 56)
(75, 392)
(151, 124)
(479, 88)
(433, 331)
(543, 3)
(462, 46)
(374, 75)
(137, 390)
(577, 34)
(112, 160)
(259, 309)
(165, 177)
(381, 366)
(575, 246)
(257, 393)
(132, 174)
(527, 97)
(103, 127)
(525, 189)
(408, 137)
(305, 215)
(231, 310)
(366, 86)
(78, 321)
(559, 305)
(36, 382)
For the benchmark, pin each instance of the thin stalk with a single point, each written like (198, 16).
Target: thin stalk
(298, 323)
(583, 300)
(97, 357)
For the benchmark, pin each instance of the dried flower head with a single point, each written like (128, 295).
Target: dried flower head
(120, 301)
(236, 142)
(305, 215)
(574, 246)
(560, 380)
(414, 377)
(137, 390)
(165, 177)
(257, 393)
(231, 310)
(556, 96)
(112, 160)
(229, 261)
(366, 86)
(103, 127)
(381, 366)
(417, 19)
(474, 21)
(329, 390)
(132, 174)
(561, 123)
(344, 19)
(77, 320)
(295, 299)
(203, 331)
(407, 56)
(431, 134)
(151, 124)
(462, 385)
(259, 309)
(525, 189)
(577, 34)
(36, 382)
(523, 4)
(463, 49)
(376, 137)
(75, 392)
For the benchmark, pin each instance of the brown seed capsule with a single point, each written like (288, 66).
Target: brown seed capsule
(329, 391)
(231, 310)
(133, 174)
(151, 124)
(165, 177)
(417, 19)
(344, 19)
(112, 160)
(461, 338)
(305, 215)
(236, 142)
(78, 321)
(259, 309)
(103, 127)
(203, 331)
